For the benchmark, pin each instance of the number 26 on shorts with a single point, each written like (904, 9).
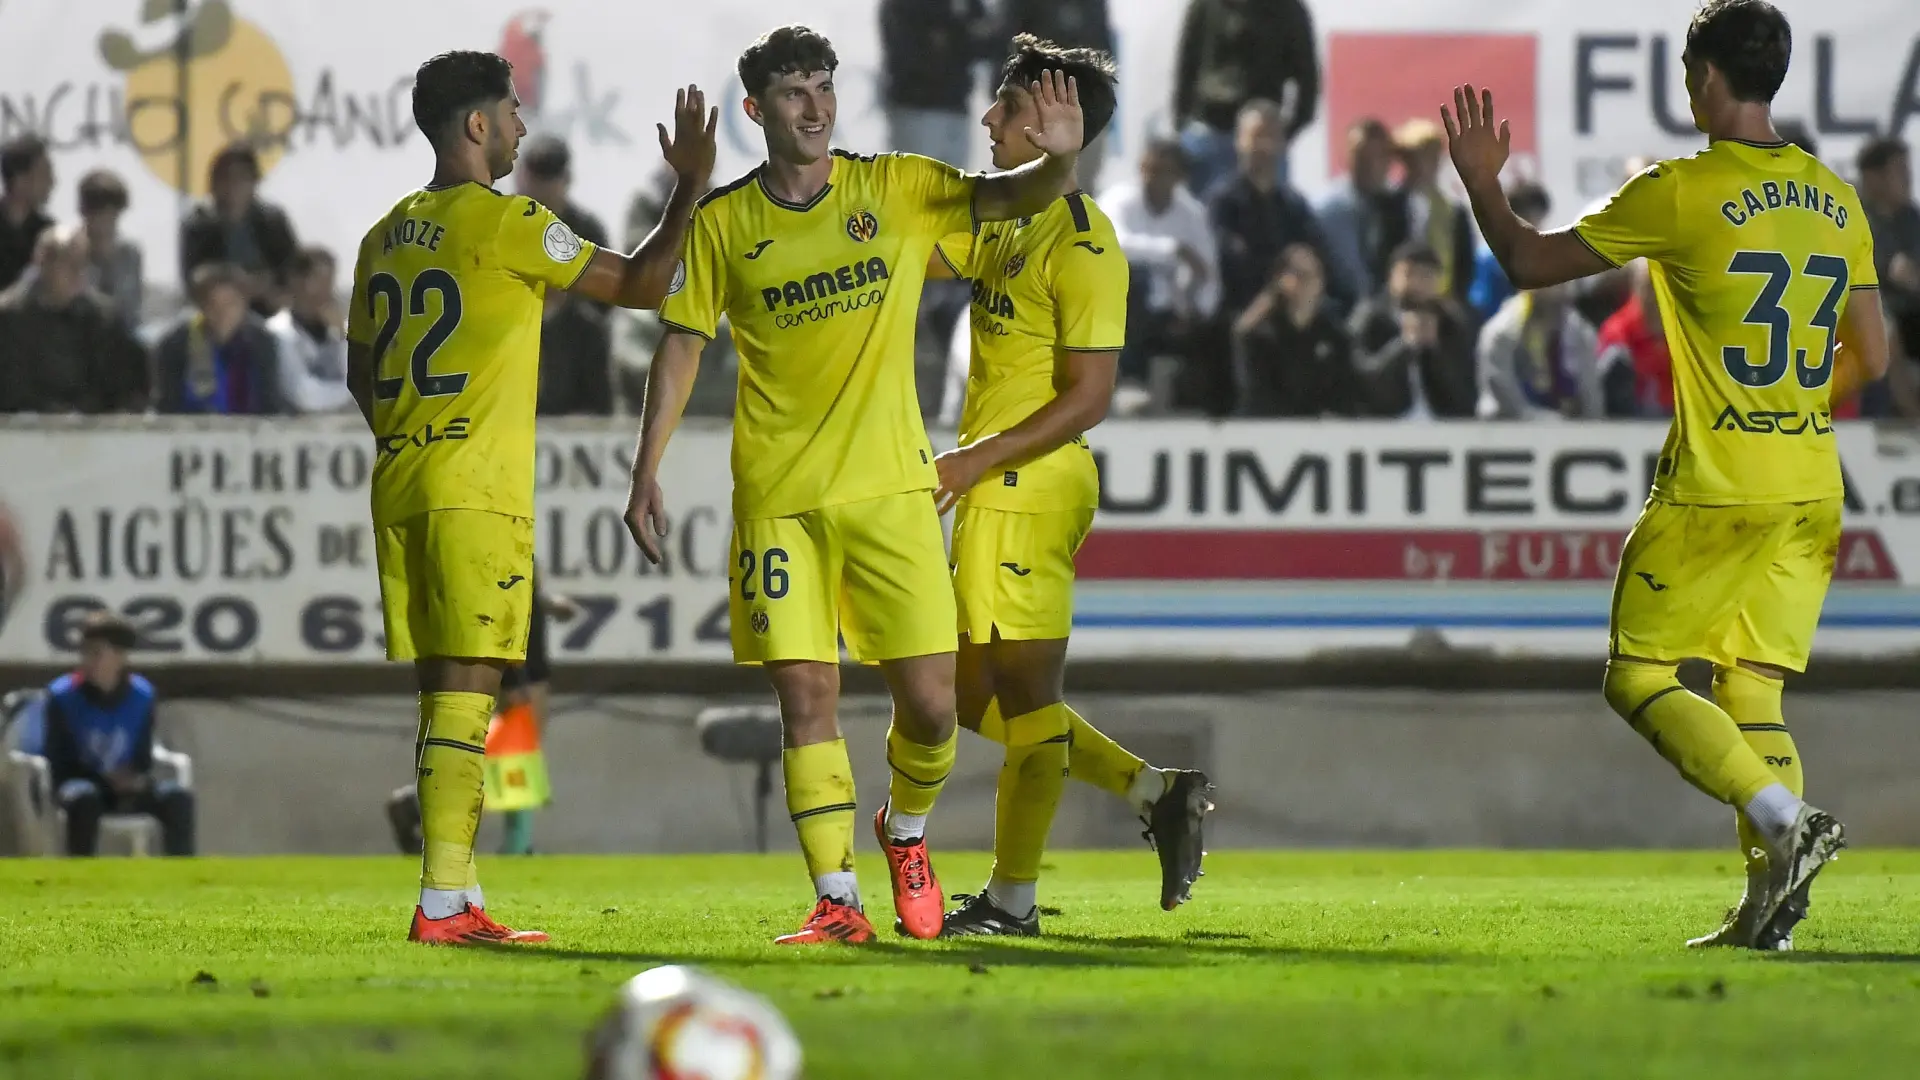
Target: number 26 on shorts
(773, 574)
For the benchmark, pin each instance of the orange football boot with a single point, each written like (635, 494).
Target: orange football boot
(831, 921)
(916, 892)
(470, 927)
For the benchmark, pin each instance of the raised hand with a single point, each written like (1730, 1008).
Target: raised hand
(690, 151)
(1478, 147)
(1062, 127)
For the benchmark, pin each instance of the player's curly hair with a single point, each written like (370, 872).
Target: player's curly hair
(1748, 40)
(449, 86)
(1095, 72)
(788, 50)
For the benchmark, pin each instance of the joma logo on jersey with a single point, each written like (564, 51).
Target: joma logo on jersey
(1761, 422)
(992, 301)
(826, 283)
(453, 430)
(862, 226)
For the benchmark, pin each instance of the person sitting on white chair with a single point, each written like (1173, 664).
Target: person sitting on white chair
(99, 744)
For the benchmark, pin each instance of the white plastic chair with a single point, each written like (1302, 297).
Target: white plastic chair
(35, 799)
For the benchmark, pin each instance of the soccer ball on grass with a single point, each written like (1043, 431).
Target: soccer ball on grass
(679, 1023)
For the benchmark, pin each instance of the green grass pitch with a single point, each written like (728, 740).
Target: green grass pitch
(1339, 964)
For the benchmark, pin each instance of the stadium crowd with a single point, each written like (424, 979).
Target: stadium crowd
(1248, 299)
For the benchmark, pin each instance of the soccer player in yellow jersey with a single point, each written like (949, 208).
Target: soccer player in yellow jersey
(817, 258)
(1049, 316)
(443, 358)
(1763, 267)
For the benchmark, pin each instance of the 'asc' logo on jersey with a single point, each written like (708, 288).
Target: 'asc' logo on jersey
(862, 226)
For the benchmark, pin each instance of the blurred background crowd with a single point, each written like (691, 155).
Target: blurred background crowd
(1249, 299)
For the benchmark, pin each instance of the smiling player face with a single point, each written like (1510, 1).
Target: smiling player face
(796, 111)
(1013, 111)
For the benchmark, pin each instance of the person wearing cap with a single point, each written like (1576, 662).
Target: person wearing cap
(99, 743)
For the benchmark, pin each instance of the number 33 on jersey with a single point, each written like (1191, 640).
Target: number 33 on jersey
(447, 293)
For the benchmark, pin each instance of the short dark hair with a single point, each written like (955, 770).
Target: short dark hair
(1748, 40)
(308, 259)
(787, 50)
(1367, 129)
(1094, 72)
(546, 157)
(19, 155)
(1527, 194)
(453, 84)
(208, 276)
(111, 629)
(1880, 152)
(102, 189)
(239, 153)
(1418, 252)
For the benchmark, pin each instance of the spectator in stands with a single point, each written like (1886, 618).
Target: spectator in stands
(1232, 52)
(575, 358)
(1076, 24)
(26, 183)
(928, 49)
(1633, 353)
(307, 340)
(1433, 215)
(1365, 218)
(1412, 346)
(1490, 287)
(62, 348)
(1798, 134)
(219, 358)
(545, 175)
(1172, 256)
(1538, 359)
(115, 265)
(99, 743)
(238, 229)
(1292, 356)
(1886, 193)
(1254, 215)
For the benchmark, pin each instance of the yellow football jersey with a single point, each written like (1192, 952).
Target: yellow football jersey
(1041, 286)
(447, 291)
(1753, 250)
(823, 299)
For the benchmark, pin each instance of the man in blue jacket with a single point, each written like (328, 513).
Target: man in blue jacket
(99, 744)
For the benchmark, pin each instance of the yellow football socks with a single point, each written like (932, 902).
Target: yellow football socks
(1032, 779)
(918, 773)
(452, 767)
(1095, 759)
(1753, 700)
(820, 802)
(1688, 730)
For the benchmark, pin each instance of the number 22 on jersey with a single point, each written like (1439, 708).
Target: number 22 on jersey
(386, 287)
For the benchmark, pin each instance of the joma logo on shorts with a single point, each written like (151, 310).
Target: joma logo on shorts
(1761, 422)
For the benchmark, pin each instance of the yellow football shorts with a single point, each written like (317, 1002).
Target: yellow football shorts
(1725, 583)
(456, 583)
(1013, 572)
(873, 572)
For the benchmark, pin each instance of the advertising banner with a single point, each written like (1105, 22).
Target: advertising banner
(251, 541)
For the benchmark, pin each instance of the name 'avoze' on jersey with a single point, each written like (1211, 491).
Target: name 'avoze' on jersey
(815, 287)
(1781, 195)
